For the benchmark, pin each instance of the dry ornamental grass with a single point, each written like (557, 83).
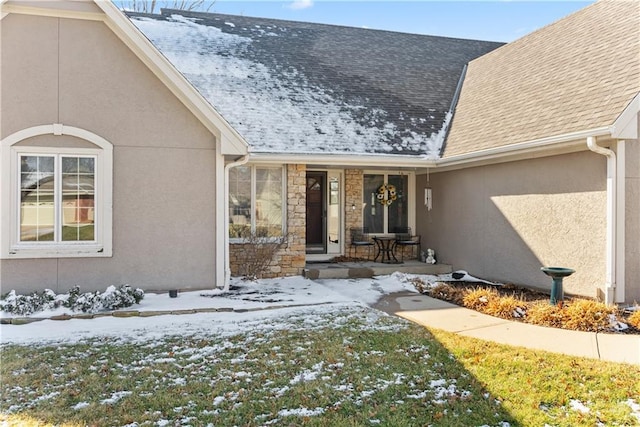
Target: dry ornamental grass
(634, 319)
(517, 303)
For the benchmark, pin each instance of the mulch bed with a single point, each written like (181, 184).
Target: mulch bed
(529, 295)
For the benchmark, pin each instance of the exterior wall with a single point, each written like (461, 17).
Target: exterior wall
(632, 215)
(353, 217)
(290, 261)
(80, 74)
(503, 222)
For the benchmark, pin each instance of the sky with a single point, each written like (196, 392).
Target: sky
(502, 21)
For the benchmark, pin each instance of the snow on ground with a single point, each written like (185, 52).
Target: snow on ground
(302, 305)
(316, 298)
(324, 296)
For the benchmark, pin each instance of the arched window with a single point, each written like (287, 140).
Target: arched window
(56, 200)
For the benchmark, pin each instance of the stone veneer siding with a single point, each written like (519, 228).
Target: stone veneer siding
(353, 217)
(290, 261)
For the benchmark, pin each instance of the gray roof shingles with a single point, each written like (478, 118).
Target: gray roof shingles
(399, 86)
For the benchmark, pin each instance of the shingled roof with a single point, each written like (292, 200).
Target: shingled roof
(574, 75)
(293, 87)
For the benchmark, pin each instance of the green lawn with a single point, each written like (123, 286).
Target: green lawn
(349, 369)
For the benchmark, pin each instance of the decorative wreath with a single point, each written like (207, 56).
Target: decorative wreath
(389, 191)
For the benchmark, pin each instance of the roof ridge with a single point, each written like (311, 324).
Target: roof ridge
(168, 11)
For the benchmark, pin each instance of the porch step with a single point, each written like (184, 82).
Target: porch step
(353, 270)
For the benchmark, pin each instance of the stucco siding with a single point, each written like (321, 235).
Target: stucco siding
(29, 72)
(80, 74)
(503, 222)
(632, 219)
(68, 5)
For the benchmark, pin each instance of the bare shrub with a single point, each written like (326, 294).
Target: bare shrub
(545, 314)
(587, 315)
(634, 319)
(479, 298)
(421, 285)
(447, 292)
(258, 252)
(506, 307)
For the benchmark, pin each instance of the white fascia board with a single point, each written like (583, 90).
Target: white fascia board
(626, 125)
(229, 146)
(566, 142)
(54, 13)
(528, 148)
(344, 160)
(232, 141)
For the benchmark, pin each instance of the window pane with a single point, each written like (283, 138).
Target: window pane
(397, 214)
(239, 201)
(268, 202)
(373, 215)
(78, 198)
(37, 211)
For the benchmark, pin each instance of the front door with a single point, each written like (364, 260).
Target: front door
(316, 213)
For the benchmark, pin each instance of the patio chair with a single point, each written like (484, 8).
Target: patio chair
(359, 239)
(404, 238)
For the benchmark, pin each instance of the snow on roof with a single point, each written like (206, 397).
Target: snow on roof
(278, 102)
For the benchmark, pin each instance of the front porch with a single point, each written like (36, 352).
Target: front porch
(366, 269)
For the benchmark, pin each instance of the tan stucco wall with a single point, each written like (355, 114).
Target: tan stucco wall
(71, 5)
(632, 215)
(80, 74)
(503, 222)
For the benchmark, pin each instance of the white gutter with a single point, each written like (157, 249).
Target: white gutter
(400, 161)
(360, 160)
(227, 264)
(521, 148)
(611, 261)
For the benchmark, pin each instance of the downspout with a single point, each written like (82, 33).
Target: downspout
(612, 223)
(227, 264)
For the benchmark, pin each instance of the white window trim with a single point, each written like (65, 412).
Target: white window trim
(10, 244)
(253, 200)
(411, 198)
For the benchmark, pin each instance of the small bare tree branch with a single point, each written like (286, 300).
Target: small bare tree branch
(153, 6)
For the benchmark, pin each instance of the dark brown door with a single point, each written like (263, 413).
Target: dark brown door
(316, 212)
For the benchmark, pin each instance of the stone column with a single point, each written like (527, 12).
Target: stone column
(290, 260)
(293, 256)
(353, 198)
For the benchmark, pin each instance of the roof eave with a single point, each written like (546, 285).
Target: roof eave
(345, 160)
(626, 125)
(231, 142)
(558, 144)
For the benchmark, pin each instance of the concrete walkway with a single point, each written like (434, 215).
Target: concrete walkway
(434, 313)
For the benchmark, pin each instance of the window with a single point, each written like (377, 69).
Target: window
(385, 198)
(256, 200)
(57, 198)
(56, 201)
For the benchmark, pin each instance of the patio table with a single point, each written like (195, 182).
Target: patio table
(386, 246)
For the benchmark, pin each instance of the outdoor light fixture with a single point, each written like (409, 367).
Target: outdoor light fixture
(353, 206)
(428, 198)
